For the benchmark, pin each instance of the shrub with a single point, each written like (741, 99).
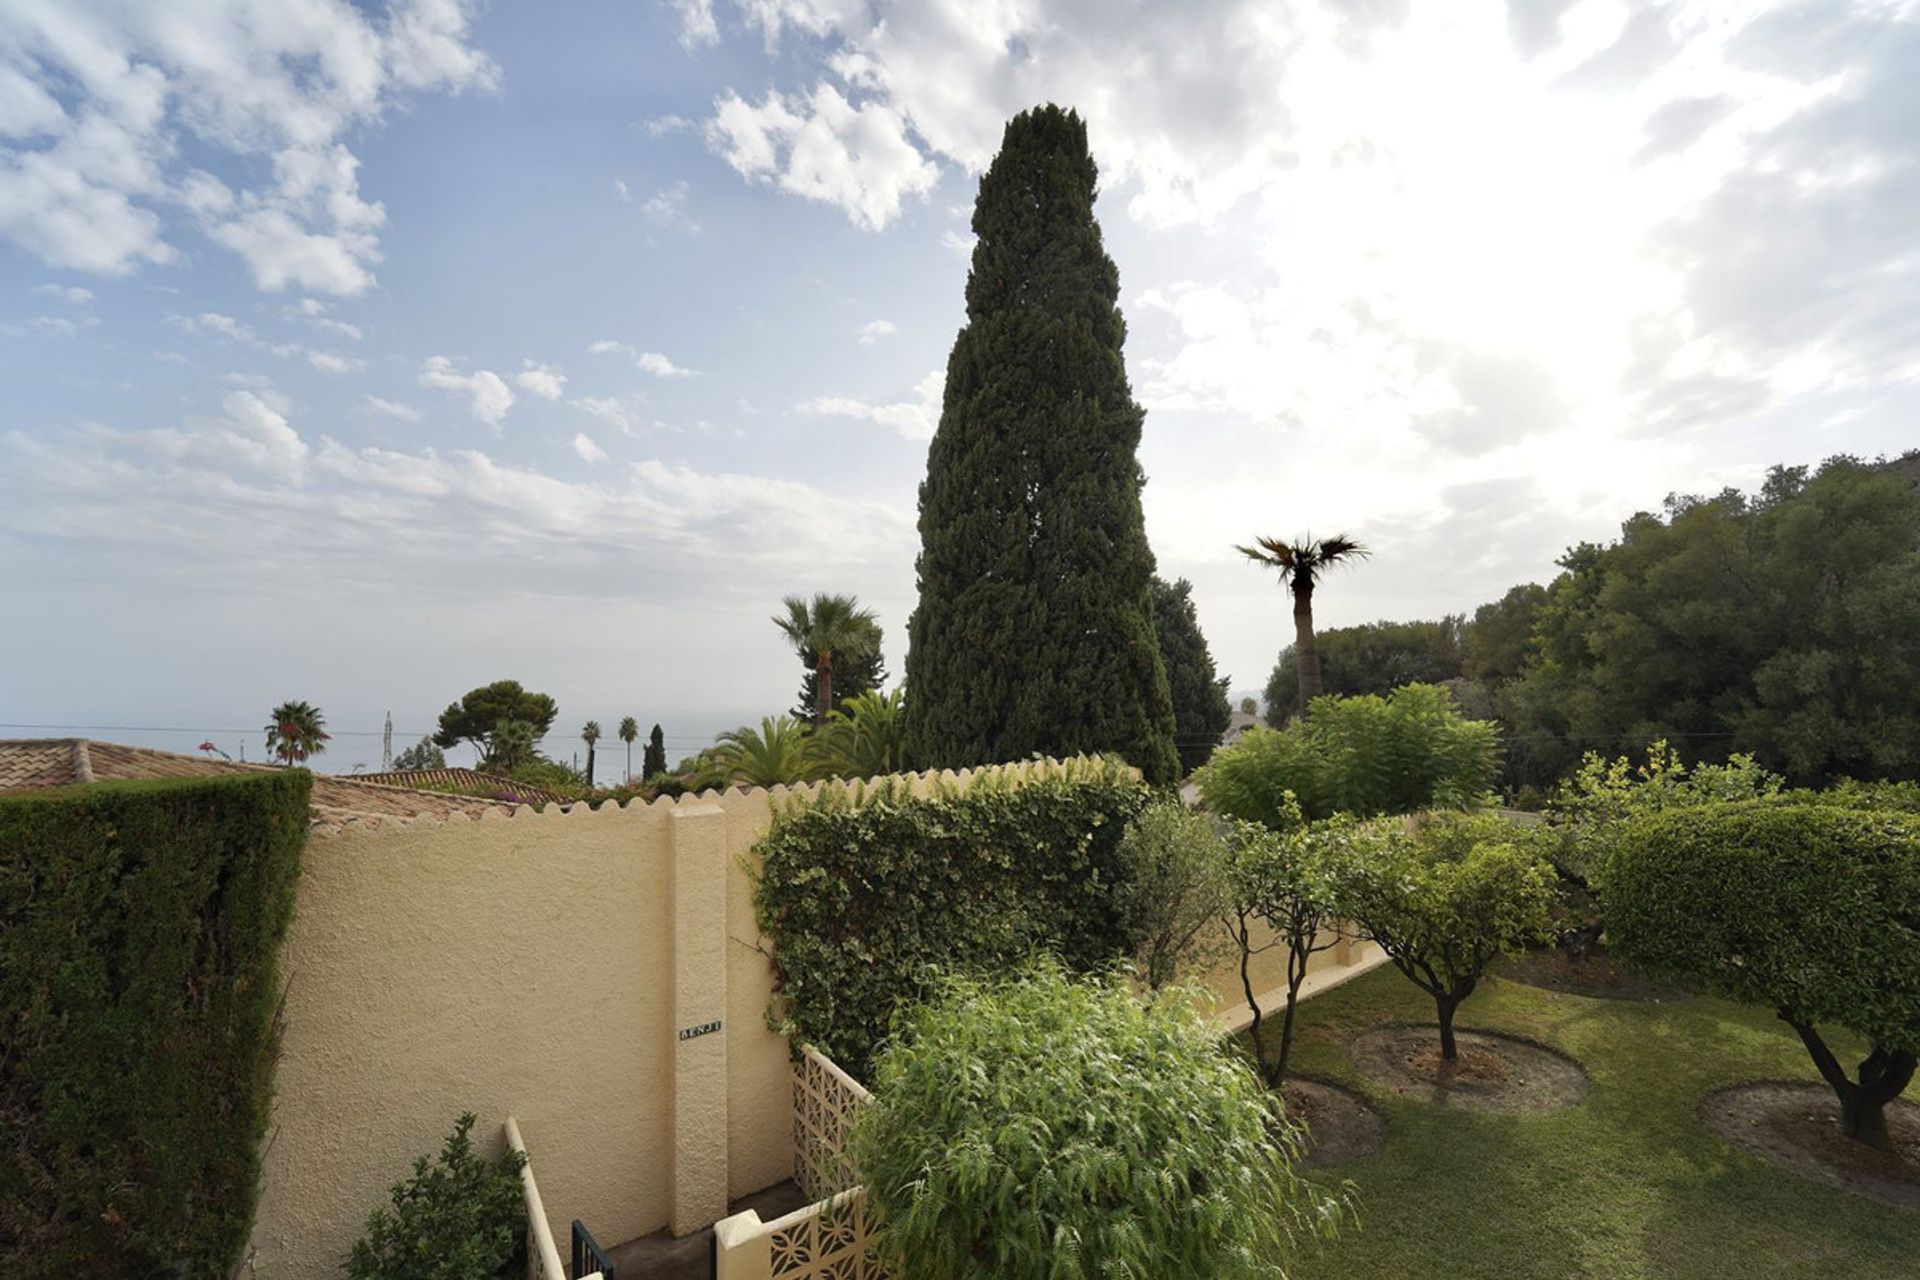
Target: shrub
(1175, 885)
(458, 1218)
(1448, 900)
(140, 930)
(1363, 756)
(1809, 910)
(1055, 1128)
(1290, 882)
(863, 737)
(866, 893)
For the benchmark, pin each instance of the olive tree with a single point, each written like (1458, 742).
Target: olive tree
(1044, 1127)
(1811, 910)
(1447, 899)
(1175, 883)
(1288, 882)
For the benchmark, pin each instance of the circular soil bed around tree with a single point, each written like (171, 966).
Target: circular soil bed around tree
(1593, 973)
(1797, 1126)
(1340, 1127)
(1499, 1074)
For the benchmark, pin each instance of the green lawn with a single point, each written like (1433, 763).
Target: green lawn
(1626, 1184)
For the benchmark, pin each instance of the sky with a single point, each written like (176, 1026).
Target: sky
(364, 354)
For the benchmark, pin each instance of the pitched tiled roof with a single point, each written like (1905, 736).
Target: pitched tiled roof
(466, 782)
(28, 763)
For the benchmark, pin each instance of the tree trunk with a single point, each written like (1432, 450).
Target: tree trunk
(1296, 974)
(589, 764)
(1305, 653)
(629, 762)
(1884, 1075)
(822, 687)
(1449, 1051)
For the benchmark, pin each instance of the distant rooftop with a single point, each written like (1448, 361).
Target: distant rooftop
(27, 764)
(465, 782)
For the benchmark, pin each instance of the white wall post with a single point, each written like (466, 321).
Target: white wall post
(698, 840)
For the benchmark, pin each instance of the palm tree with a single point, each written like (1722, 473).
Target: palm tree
(1300, 565)
(774, 753)
(510, 745)
(863, 738)
(629, 730)
(296, 732)
(833, 624)
(590, 734)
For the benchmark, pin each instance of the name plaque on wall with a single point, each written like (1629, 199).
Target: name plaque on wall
(704, 1029)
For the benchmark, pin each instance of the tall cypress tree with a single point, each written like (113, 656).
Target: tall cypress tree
(1201, 712)
(1035, 630)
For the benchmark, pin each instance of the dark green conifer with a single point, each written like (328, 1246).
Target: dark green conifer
(1201, 712)
(1034, 631)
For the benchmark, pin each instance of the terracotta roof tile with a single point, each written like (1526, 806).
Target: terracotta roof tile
(31, 763)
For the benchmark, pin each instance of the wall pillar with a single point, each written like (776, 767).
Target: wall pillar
(697, 838)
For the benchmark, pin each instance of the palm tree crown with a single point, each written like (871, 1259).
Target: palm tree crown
(296, 732)
(1301, 565)
(830, 625)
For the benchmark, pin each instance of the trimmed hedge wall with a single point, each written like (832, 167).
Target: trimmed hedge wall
(867, 896)
(140, 929)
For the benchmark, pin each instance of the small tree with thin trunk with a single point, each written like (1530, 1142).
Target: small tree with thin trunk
(830, 625)
(1176, 881)
(1286, 881)
(629, 731)
(1806, 909)
(1301, 565)
(296, 732)
(1447, 900)
(590, 734)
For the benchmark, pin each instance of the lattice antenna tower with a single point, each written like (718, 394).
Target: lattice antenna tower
(386, 745)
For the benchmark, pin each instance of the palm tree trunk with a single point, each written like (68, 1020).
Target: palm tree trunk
(1305, 652)
(823, 687)
(589, 764)
(629, 762)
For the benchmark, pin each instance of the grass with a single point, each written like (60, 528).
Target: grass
(1627, 1184)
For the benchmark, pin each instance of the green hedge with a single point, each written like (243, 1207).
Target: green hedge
(867, 896)
(140, 925)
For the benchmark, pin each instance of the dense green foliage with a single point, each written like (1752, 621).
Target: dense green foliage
(865, 894)
(1499, 640)
(1375, 657)
(864, 738)
(511, 745)
(1784, 623)
(654, 762)
(421, 755)
(140, 931)
(1628, 1185)
(1201, 712)
(458, 1218)
(1053, 1128)
(1288, 880)
(1034, 631)
(1447, 901)
(1363, 755)
(779, 751)
(474, 718)
(1810, 910)
(1175, 886)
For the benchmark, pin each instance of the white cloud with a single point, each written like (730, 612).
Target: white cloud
(620, 191)
(66, 293)
(667, 207)
(333, 362)
(663, 126)
(488, 396)
(874, 330)
(543, 380)
(393, 409)
(697, 26)
(913, 419)
(607, 409)
(105, 97)
(589, 451)
(649, 361)
(823, 147)
(216, 323)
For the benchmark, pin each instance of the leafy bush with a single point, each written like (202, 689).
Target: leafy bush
(868, 893)
(1448, 900)
(1061, 1129)
(1289, 881)
(140, 930)
(1363, 756)
(1175, 886)
(1810, 910)
(458, 1218)
(421, 755)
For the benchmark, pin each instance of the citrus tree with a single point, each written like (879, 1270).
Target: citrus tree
(1175, 883)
